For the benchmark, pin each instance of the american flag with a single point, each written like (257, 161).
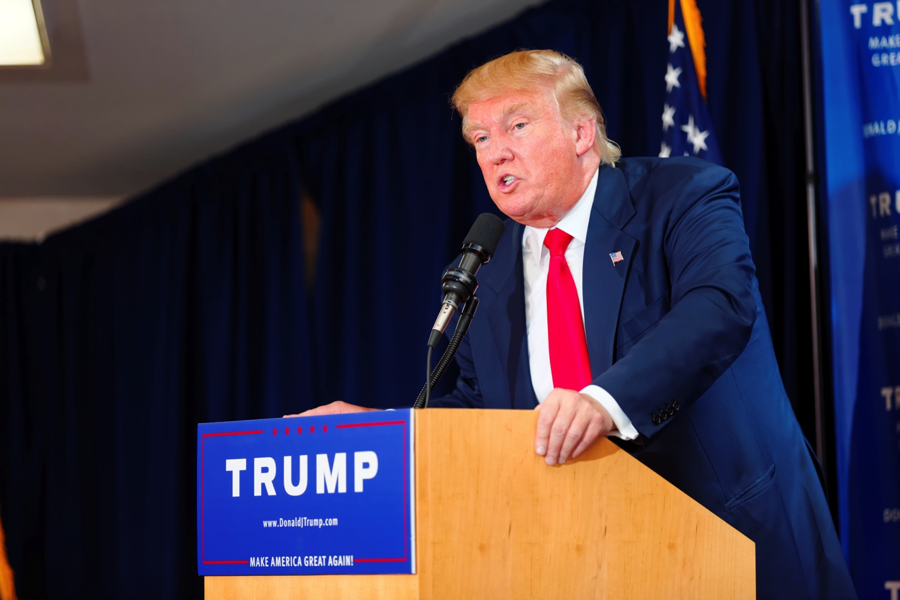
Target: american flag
(616, 257)
(687, 128)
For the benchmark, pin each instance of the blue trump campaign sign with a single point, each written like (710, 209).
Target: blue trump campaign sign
(306, 496)
(860, 67)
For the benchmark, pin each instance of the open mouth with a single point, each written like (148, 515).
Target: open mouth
(507, 182)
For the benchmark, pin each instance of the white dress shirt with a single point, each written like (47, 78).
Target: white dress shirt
(536, 261)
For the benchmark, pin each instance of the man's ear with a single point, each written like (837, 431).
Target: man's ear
(585, 134)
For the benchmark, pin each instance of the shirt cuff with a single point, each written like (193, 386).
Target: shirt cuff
(625, 428)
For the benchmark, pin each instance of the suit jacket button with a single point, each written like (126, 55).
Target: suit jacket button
(656, 420)
(671, 411)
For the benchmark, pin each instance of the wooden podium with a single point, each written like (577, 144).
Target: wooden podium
(494, 522)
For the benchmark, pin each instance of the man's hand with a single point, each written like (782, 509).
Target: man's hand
(335, 408)
(569, 422)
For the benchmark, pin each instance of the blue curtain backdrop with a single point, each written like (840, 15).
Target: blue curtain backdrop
(189, 304)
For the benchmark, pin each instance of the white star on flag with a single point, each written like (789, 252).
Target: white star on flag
(699, 140)
(694, 135)
(687, 128)
(676, 39)
(668, 117)
(672, 77)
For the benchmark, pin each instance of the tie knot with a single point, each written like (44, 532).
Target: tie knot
(557, 241)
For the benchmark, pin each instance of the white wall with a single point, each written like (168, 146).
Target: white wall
(35, 218)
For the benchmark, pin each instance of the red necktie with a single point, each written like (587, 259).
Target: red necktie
(568, 348)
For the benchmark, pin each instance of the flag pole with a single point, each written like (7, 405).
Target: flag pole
(811, 218)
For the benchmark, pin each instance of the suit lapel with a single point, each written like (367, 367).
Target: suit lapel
(603, 281)
(509, 364)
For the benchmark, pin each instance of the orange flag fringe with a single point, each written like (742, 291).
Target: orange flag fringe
(671, 16)
(693, 22)
(7, 586)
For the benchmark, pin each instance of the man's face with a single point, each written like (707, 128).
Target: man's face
(529, 155)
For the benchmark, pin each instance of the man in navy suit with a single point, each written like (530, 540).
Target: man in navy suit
(676, 362)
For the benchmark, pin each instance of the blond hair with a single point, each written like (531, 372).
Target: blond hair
(520, 71)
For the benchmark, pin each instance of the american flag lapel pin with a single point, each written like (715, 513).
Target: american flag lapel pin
(616, 257)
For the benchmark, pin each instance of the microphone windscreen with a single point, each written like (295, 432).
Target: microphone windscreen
(486, 232)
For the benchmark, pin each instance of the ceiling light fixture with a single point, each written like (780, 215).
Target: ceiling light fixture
(23, 36)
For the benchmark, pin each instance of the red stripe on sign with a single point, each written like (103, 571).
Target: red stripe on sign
(348, 425)
(202, 498)
(232, 433)
(405, 498)
(356, 560)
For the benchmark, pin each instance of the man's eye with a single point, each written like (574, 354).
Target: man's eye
(480, 139)
(519, 125)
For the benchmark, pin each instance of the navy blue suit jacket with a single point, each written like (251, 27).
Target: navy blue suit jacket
(677, 334)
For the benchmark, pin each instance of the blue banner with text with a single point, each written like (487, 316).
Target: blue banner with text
(306, 495)
(860, 60)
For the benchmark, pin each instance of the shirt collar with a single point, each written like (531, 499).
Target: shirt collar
(575, 222)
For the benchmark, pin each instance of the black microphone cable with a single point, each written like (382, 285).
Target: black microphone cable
(433, 377)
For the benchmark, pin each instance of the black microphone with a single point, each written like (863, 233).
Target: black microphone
(459, 284)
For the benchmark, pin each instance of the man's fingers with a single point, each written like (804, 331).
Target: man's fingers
(559, 429)
(577, 429)
(548, 411)
(327, 409)
(593, 431)
(335, 408)
(568, 423)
